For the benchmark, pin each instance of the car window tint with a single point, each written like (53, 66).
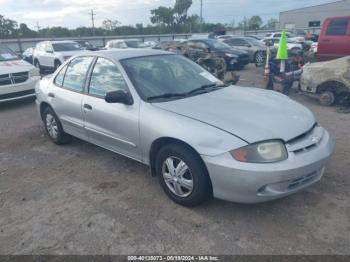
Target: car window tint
(338, 27)
(60, 77)
(105, 78)
(76, 72)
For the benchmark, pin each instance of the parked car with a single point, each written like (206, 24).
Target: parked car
(275, 42)
(291, 37)
(235, 59)
(199, 137)
(224, 37)
(330, 80)
(27, 55)
(170, 45)
(126, 43)
(49, 55)
(334, 38)
(17, 77)
(87, 45)
(151, 44)
(255, 48)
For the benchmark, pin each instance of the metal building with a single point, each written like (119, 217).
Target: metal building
(313, 16)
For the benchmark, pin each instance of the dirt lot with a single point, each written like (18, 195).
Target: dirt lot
(81, 199)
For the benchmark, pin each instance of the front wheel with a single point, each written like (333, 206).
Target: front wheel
(54, 128)
(37, 65)
(57, 65)
(182, 175)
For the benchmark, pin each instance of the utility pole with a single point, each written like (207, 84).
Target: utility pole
(201, 12)
(37, 26)
(92, 21)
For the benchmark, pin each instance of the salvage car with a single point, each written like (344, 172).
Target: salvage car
(329, 81)
(256, 49)
(234, 58)
(17, 77)
(125, 43)
(49, 55)
(200, 137)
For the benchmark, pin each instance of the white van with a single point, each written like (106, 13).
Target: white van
(17, 77)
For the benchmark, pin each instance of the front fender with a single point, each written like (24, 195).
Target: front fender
(207, 140)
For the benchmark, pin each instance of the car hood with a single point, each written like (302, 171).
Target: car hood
(14, 66)
(249, 113)
(342, 63)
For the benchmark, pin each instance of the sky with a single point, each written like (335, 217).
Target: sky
(75, 13)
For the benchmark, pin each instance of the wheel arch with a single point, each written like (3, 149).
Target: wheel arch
(335, 86)
(43, 106)
(163, 141)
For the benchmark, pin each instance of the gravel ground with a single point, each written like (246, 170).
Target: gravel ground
(81, 199)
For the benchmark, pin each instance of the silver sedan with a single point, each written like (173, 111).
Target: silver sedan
(200, 137)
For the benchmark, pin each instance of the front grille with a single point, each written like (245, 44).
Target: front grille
(20, 77)
(17, 94)
(14, 78)
(5, 80)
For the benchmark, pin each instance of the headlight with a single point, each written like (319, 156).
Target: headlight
(34, 72)
(263, 152)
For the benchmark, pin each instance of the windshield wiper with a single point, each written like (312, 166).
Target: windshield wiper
(167, 95)
(206, 88)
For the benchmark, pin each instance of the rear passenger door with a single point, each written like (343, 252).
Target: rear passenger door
(67, 94)
(111, 125)
(335, 41)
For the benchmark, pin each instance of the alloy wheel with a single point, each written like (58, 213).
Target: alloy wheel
(51, 126)
(177, 177)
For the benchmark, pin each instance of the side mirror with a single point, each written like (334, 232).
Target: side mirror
(49, 51)
(119, 97)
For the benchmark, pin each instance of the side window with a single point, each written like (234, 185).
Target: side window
(60, 77)
(337, 27)
(105, 78)
(76, 72)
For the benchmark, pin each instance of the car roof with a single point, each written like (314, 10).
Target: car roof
(120, 54)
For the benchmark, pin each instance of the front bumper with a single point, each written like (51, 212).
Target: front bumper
(18, 91)
(252, 183)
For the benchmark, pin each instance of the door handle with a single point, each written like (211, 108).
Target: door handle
(87, 107)
(51, 95)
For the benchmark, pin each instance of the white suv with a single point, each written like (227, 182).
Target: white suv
(51, 54)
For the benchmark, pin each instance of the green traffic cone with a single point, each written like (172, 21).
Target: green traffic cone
(282, 53)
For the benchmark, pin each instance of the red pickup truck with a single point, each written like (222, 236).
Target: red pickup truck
(334, 40)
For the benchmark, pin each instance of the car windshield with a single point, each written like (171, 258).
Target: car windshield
(216, 44)
(170, 76)
(7, 54)
(59, 47)
(135, 44)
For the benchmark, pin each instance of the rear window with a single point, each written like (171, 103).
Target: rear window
(338, 27)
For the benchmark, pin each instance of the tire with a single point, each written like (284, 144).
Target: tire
(259, 58)
(54, 128)
(327, 98)
(57, 65)
(189, 183)
(37, 65)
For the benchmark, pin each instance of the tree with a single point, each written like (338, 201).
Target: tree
(255, 22)
(180, 10)
(162, 15)
(110, 25)
(271, 24)
(7, 27)
(24, 31)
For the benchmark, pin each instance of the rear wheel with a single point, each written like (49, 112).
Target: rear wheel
(182, 175)
(327, 98)
(54, 128)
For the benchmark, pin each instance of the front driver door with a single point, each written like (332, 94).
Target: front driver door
(112, 126)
